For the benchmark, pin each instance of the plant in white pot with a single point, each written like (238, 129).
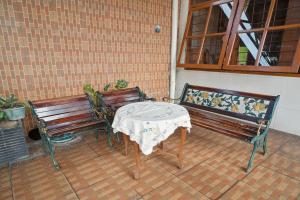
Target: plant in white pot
(11, 108)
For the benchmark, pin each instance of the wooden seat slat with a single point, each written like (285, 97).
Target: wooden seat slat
(234, 129)
(61, 106)
(218, 126)
(71, 118)
(72, 127)
(242, 137)
(66, 123)
(224, 121)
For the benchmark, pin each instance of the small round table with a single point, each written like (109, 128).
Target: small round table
(148, 124)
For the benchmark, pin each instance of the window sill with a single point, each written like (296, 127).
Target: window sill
(244, 72)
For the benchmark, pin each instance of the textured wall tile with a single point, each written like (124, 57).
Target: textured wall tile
(52, 48)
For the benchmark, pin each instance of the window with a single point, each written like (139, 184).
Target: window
(243, 35)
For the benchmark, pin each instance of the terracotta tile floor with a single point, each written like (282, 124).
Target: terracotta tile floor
(213, 169)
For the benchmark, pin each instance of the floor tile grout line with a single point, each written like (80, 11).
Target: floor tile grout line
(70, 185)
(167, 183)
(248, 174)
(233, 185)
(177, 175)
(208, 159)
(277, 171)
(11, 181)
(285, 155)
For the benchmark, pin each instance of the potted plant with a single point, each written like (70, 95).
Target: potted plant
(11, 108)
(120, 84)
(89, 90)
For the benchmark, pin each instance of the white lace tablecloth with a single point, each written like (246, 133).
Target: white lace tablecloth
(149, 123)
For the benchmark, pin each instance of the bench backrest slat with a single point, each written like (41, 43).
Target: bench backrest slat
(65, 115)
(241, 105)
(118, 98)
(61, 106)
(63, 110)
(59, 101)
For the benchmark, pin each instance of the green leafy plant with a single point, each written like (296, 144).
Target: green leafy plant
(106, 87)
(88, 89)
(2, 115)
(11, 101)
(121, 84)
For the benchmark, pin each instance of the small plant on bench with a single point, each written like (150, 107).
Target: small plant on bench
(245, 116)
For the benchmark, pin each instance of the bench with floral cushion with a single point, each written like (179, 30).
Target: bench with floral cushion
(242, 115)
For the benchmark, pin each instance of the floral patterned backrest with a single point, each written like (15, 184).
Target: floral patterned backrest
(254, 107)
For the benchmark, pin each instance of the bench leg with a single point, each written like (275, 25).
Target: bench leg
(108, 130)
(97, 134)
(44, 141)
(52, 153)
(118, 137)
(137, 160)
(252, 157)
(126, 140)
(182, 141)
(265, 146)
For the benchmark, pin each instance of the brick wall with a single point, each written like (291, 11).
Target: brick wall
(52, 48)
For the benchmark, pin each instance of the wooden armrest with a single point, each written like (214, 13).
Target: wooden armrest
(168, 99)
(98, 113)
(150, 99)
(261, 122)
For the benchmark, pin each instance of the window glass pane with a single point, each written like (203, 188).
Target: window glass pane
(198, 21)
(286, 12)
(211, 50)
(279, 48)
(219, 18)
(192, 51)
(254, 14)
(245, 48)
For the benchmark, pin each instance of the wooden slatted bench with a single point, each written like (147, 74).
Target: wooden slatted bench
(58, 116)
(112, 100)
(241, 115)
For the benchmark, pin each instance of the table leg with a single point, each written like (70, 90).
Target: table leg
(161, 146)
(126, 140)
(182, 141)
(138, 160)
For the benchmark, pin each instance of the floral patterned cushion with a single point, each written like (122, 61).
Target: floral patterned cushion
(239, 104)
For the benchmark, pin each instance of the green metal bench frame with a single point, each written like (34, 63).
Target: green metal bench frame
(65, 114)
(262, 123)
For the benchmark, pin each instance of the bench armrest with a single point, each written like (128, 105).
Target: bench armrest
(98, 113)
(150, 99)
(262, 121)
(168, 99)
